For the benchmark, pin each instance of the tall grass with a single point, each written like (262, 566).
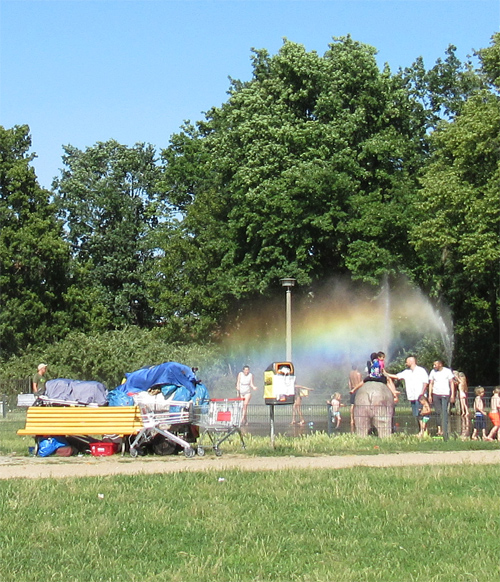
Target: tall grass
(408, 524)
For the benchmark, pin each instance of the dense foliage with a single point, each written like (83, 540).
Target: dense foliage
(316, 166)
(107, 356)
(34, 258)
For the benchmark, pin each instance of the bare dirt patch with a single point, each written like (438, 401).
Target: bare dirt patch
(36, 468)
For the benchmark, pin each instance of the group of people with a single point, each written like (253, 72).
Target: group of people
(376, 373)
(440, 388)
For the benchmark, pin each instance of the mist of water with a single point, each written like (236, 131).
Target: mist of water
(339, 325)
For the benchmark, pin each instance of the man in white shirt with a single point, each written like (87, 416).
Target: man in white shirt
(441, 393)
(416, 381)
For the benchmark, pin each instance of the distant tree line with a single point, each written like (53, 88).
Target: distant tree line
(318, 165)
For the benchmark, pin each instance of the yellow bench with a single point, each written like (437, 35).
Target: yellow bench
(81, 421)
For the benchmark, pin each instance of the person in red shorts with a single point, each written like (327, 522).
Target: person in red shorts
(494, 416)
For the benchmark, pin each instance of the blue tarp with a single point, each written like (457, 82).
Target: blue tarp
(171, 378)
(49, 445)
(86, 392)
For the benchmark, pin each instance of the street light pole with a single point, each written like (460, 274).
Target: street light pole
(288, 283)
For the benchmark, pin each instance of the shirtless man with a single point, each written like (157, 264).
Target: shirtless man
(355, 378)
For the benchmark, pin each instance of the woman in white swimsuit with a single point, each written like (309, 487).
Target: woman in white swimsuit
(244, 387)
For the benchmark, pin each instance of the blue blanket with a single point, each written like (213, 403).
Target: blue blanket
(171, 378)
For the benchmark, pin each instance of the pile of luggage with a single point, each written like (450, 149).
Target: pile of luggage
(166, 392)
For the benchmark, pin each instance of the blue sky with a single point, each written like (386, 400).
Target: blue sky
(82, 71)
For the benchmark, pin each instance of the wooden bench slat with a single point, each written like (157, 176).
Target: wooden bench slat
(83, 424)
(47, 411)
(93, 430)
(107, 427)
(61, 421)
(41, 420)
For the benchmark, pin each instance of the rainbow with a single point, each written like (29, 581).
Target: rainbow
(337, 327)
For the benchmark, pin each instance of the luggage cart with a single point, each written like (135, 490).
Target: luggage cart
(218, 417)
(161, 423)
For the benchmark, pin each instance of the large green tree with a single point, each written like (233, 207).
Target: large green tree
(34, 258)
(105, 197)
(307, 170)
(456, 235)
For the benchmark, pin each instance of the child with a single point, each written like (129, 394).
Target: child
(390, 382)
(335, 404)
(424, 415)
(461, 383)
(480, 414)
(300, 392)
(375, 367)
(494, 415)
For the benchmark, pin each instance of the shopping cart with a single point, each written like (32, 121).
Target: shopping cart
(164, 422)
(218, 419)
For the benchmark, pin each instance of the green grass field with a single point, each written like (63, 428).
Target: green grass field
(413, 524)
(361, 524)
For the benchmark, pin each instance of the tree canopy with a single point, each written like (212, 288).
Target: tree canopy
(34, 258)
(316, 166)
(307, 169)
(105, 196)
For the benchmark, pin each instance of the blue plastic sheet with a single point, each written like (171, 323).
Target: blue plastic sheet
(49, 446)
(168, 373)
(175, 381)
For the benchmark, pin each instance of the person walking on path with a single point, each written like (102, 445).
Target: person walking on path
(416, 381)
(441, 393)
(39, 379)
(244, 387)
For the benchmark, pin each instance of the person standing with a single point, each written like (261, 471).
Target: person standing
(494, 416)
(300, 392)
(355, 378)
(425, 415)
(244, 387)
(479, 414)
(416, 381)
(461, 385)
(39, 379)
(441, 393)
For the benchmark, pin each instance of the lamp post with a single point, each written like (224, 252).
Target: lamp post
(288, 283)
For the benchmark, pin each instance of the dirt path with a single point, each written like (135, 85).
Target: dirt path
(35, 468)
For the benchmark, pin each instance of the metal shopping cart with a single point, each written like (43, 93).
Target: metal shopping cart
(169, 423)
(218, 419)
